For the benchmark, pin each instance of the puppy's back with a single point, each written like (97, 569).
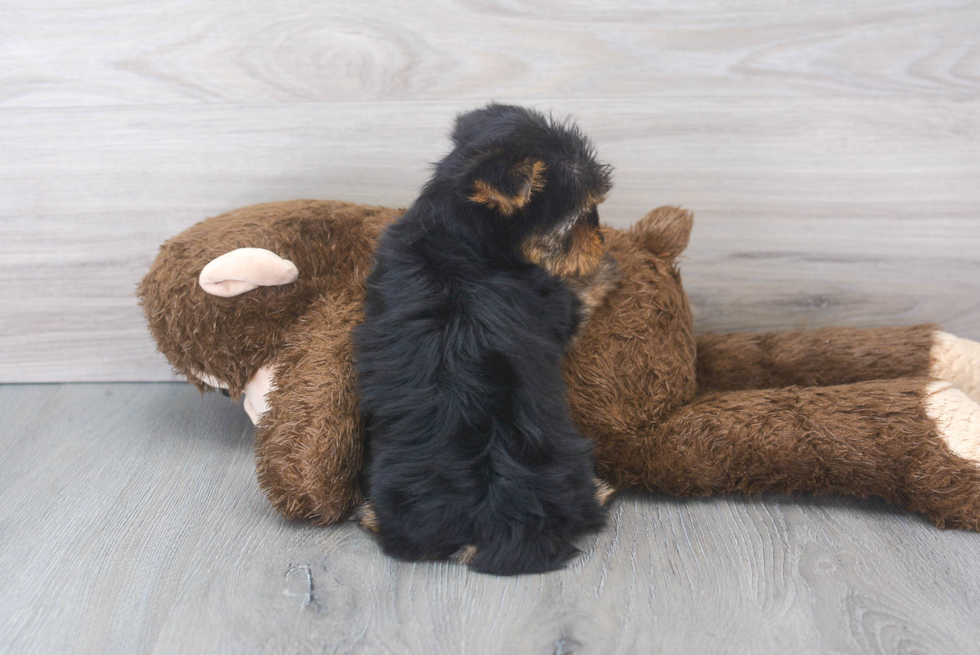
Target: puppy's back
(472, 448)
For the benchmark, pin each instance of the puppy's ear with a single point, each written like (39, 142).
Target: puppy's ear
(503, 184)
(471, 125)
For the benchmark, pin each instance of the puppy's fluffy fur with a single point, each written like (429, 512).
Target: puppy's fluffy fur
(472, 452)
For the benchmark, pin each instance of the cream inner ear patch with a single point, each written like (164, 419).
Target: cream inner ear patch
(957, 361)
(244, 269)
(957, 419)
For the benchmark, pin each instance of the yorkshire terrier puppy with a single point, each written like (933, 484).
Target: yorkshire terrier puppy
(474, 296)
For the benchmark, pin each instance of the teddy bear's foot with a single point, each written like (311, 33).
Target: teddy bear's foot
(244, 269)
(957, 419)
(957, 361)
(944, 482)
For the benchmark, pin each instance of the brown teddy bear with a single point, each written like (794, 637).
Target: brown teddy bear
(262, 301)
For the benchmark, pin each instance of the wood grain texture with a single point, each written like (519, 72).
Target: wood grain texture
(132, 523)
(107, 52)
(829, 150)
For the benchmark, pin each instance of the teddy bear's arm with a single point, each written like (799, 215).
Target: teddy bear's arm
(911, 441)
(309, 443)
(836, 356)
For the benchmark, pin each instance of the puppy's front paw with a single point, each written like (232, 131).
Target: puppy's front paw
(593, 290)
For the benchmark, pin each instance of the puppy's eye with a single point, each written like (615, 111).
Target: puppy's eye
(592, 220)
(593, 217)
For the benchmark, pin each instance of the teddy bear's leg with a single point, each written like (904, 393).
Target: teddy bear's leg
(309, 443)
(910, 441)
(836, 356)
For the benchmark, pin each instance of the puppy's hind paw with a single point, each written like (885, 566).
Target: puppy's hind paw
(603, 491)
(367, 518)
(464, 555)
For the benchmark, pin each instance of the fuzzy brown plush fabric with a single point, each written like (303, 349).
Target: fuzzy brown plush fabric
(816, 358)
(866, 439)
(831, 411)
(228, 339)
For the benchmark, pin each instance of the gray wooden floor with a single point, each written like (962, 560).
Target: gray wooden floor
(130, 522)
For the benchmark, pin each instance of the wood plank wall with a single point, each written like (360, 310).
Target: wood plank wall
(830, 150)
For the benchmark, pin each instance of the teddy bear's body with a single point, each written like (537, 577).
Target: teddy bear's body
(889, 412)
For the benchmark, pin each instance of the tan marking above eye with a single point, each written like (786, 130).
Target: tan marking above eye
(485, 194)
(533, 173)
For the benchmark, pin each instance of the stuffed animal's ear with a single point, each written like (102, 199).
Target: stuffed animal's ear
(503, 184)
(244, 269)
(665, 231)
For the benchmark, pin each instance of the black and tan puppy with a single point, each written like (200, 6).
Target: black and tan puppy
(473, 454)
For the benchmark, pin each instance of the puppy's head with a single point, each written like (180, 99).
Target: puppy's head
(536, 180)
